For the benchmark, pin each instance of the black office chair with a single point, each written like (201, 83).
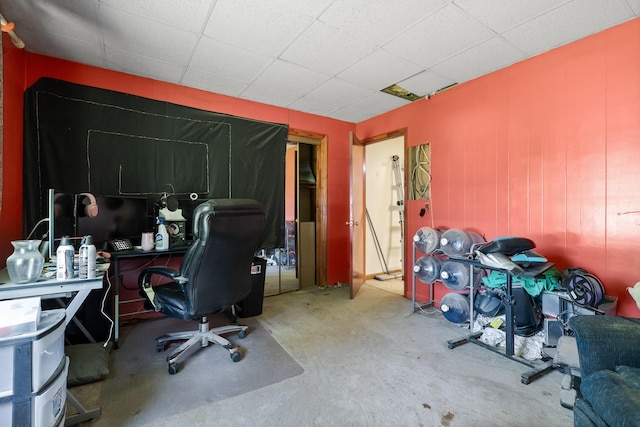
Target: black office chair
(215, 274)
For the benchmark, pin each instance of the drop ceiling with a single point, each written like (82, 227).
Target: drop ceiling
(325, 57)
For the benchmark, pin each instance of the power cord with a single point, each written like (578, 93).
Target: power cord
(35, 227)
(420, 179)
(111, 322)
(434, 310)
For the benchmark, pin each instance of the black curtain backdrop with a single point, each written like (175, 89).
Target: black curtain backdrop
(84, 139)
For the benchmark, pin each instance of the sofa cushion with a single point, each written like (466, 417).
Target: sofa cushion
(583, 415)
(612, 398)
(630, 375)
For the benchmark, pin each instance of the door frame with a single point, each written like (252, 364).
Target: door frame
(321, 141)
(298, 135)
(357, 221)
(406, 250)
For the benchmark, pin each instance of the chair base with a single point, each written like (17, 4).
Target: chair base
(200, 339)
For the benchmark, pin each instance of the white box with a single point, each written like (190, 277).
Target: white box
(555, 304)
(608, 305)
(551, 303)
(19, 316)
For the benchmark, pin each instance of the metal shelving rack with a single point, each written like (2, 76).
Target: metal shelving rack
(414, 303)
(509, 302)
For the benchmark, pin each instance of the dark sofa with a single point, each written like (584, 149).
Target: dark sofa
(609, 353)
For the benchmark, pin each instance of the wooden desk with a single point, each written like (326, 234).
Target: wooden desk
(116, 257)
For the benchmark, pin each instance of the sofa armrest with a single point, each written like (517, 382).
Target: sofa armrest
(605, 342)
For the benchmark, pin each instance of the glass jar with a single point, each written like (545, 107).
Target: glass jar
(25, 264)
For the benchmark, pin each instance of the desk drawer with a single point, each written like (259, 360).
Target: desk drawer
(31, 359)
(44, 408)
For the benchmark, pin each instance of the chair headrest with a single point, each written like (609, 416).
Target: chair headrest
(224, 207)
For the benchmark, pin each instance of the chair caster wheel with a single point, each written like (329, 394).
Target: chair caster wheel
(173, 369)
(242, 334)
(236, 357)
(159, 348)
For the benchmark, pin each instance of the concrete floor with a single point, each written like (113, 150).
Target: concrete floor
(372, 362)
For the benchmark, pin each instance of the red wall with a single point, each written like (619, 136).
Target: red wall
(12, 106)
(549, 149)
(21, 70)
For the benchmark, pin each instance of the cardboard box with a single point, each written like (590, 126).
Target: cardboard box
(19, 316)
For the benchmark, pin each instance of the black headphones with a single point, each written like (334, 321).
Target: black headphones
(168, 201)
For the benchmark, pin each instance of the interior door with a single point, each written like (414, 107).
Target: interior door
(357, 215)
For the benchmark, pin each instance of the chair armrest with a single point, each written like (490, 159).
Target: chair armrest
(605, 342)
(145, 276)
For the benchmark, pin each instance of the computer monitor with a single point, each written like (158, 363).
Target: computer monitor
(117, 218)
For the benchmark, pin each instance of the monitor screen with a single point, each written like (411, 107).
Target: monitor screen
(117, 218)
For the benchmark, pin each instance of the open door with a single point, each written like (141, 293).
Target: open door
(357, 215)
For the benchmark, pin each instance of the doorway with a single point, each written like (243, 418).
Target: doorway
(385, 208)
(301, 261)
(385, 193)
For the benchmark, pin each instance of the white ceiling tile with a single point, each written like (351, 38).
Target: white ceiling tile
(378, 103)
(190, 15)
(347, 114)
(314, 107)
(338, 92)
(481, 59)
(145, 37)
(426, 83)
(224, 60)
(142, 66)
(311, 8)
(377, 21)
(635, 5)
(63, 47)
(292, 51)
(371, 106)
(569, 22)
(324, 49)
(500, 15)
(211, 83)
(256, 26)
(76, 20)
(268, 96)
(440, 35)
(290, 78)
(379, 70)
